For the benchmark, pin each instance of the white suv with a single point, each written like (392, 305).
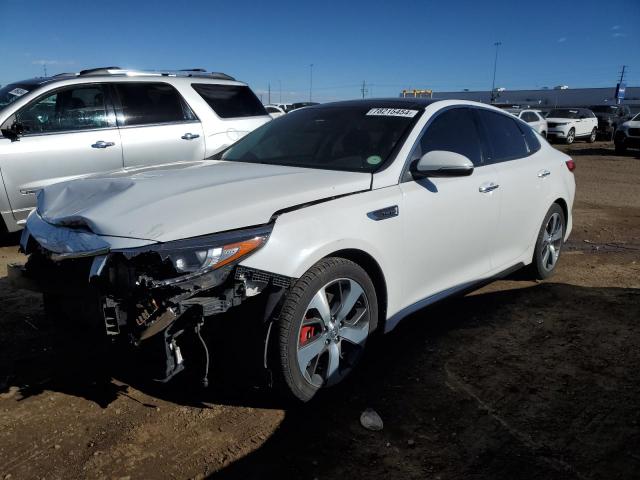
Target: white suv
(318, 229)
(569, 124)
(69, 125)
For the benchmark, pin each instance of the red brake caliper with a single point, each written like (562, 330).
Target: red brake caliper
(306, 333)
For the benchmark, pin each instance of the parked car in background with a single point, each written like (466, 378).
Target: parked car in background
(628, 135)
(610, 117)
(68, 125)
(358, 214)
(296, 106)
(569, 124)
(285, 107)
(274, 111)
(533, 117)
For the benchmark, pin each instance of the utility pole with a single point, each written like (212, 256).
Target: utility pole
(620, 84)
(44, 67)
(310, 82)
(269, 93)
(495, 66)
(280, 85)
(363, 89)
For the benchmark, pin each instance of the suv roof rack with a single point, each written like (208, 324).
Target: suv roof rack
(192, 72)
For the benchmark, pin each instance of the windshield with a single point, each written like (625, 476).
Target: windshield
(563, 113)
(351, 138)
(603, 109)
(13, 92)
(636, 118)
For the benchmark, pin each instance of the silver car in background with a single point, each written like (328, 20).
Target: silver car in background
(70, 125)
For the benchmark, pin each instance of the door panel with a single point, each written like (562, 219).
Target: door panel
(68, 132)
(39, 160)
(523, 189)
(156, 144)
(448, 221)
(156, 124)
(448, 226)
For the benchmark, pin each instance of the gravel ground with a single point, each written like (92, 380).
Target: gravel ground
(531, 380)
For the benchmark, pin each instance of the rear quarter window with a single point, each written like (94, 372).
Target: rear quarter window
(230, 101)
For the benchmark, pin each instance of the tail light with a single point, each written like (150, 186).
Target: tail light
(571, 165)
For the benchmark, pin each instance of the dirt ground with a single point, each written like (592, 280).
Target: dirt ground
(520, 380)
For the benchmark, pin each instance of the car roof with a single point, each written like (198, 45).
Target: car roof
(118, 74)
(381, 103)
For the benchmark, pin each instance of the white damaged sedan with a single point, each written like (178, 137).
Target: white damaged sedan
(334, 222)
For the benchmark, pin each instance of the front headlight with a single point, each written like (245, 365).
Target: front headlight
(196, 256)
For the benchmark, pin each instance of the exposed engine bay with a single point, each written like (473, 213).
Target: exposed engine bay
(155, 298)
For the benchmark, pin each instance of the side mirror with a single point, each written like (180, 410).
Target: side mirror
(441, 163)
(12, 129)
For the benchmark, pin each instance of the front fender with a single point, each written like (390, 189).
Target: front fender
(302, 237)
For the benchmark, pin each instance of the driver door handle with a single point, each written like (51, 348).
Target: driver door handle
(189, 136)
(102, 144)
(486, 188)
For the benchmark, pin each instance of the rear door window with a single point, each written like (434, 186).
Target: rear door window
(151, 103)
(453, 130)
(230, 101)
(504, 136)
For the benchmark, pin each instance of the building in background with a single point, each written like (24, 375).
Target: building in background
(544, 98)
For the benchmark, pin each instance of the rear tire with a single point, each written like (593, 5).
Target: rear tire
(571, 136)
(592, 137)
(323, 327)
(549, 243)
(620, 148)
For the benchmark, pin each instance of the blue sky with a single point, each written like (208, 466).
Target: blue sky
(444, 45)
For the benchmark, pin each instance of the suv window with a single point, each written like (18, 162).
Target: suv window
(230, 101)
(151, 103)
(453, 130)
(504, 136)
(533, 144)
(529, 117)
(79, 107)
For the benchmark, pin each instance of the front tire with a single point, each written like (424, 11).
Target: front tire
(592, 137)
(549, 243)
(323, 327)
(571, 136)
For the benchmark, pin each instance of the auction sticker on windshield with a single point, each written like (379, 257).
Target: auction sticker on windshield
(392, 112)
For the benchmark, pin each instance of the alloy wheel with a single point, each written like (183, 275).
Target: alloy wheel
(552, 241)
(333, 332)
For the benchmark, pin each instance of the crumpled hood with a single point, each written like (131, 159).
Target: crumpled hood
(187, 199)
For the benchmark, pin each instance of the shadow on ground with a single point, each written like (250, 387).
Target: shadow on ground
(539, 382)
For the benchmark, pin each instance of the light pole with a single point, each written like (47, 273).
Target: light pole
(495, 66)
(310, 81)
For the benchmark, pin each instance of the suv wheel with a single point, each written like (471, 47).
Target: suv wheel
(571, 136)
(323, 327)
(549, 243)
(592, 137)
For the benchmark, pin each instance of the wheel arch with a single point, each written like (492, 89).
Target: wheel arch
(373, 269)
(565, 209)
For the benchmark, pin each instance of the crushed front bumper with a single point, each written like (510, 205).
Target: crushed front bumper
(94, 286)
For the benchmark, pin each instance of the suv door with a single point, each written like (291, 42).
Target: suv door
(69, 131)
(156, 124)
(523, 173)
(448, 222)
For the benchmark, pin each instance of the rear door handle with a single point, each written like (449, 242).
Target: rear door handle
(189, 136)
(543, 173)
(488, 188)
(102, 144)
